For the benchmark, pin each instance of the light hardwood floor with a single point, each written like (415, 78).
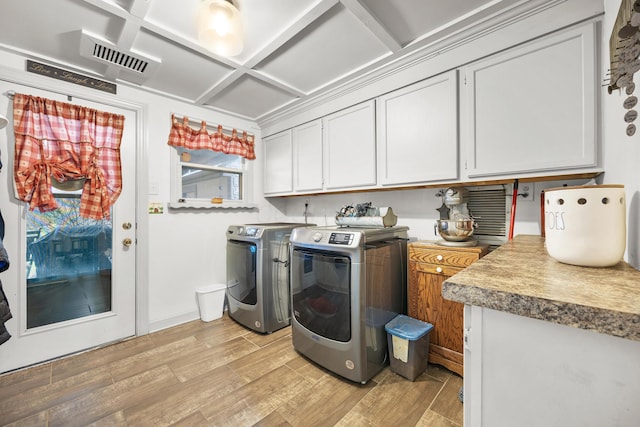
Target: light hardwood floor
(218, 374)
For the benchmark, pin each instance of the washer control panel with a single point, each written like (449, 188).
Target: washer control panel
(246, 231)
(252, 231)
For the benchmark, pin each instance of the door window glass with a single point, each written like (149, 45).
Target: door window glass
(68, 262)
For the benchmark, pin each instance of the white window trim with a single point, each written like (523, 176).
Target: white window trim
(178, 202)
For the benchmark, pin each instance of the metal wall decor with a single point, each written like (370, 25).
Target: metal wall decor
(624, 53)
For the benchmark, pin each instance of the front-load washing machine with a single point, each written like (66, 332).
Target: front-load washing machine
(258, 275)
(346, 284)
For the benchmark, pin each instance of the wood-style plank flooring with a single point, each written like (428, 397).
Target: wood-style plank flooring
(218, 374)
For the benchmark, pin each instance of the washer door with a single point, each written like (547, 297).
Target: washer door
(241, 271)
(321, 292)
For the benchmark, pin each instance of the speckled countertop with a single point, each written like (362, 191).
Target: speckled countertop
(521, 278)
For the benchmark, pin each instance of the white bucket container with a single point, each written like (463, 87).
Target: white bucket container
(586, 225)
(211, 301)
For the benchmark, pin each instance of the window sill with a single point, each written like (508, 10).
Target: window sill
(205, 204)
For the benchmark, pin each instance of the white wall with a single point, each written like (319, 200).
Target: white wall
(186, 247)
(621, 153)
(414, 208)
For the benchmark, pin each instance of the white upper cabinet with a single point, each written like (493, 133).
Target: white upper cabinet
(277, 163)
(533, 108)
(350, 147)
(307, 156)
(417, 132)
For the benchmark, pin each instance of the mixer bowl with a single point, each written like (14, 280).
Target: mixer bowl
(455, 230)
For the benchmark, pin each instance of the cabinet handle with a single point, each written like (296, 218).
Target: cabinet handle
(438, 269)
(439, 257)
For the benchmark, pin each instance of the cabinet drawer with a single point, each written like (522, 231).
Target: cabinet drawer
(442, 269)
(443, 257)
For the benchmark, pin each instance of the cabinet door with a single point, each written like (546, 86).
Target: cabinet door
(533, 108)
(426, 303)
(277, 163)
(350, 147)
(418, 132)
(307, 156)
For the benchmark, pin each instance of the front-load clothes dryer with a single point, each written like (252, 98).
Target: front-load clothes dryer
(258, 294)
(346, 284)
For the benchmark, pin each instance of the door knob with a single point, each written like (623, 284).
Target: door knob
(127, 242)
(126, 225)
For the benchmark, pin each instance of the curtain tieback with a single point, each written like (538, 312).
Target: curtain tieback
(38, 180)
(95, 177)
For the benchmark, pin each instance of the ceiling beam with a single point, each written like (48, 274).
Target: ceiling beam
(299, 25)
(133, 19)
(219, 86)
(309, 17)
(139, 8)
(371, 22)
(276, 83)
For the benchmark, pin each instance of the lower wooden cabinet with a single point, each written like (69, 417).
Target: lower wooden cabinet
(429, 266)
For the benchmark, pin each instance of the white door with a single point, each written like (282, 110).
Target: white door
(39, 330)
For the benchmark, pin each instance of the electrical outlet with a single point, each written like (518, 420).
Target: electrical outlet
(526, 191)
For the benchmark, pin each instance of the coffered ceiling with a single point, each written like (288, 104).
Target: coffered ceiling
(294, 50)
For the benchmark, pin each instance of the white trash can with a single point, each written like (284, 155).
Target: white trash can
(211, 301)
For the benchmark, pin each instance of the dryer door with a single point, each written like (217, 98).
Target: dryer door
(241, 271)
(321, 292)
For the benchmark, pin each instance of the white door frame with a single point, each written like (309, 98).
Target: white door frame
(142, 248)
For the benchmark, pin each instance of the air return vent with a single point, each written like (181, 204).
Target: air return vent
(134, 64)
(118, 58)
(488, 206)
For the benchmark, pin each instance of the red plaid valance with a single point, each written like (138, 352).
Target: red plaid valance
(66, 142)
(183, 135)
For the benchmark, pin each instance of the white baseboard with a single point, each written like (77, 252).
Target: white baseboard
(158, 325)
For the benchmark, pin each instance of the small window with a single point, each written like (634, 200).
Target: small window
(210, 178)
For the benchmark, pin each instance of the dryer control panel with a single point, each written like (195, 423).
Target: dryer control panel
(341, 238)
(328, 237)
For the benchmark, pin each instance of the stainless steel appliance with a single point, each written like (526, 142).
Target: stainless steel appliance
(258, 275)
(456, 225)
(346, 284)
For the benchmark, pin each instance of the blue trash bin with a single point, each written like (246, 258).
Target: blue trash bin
(408, 342)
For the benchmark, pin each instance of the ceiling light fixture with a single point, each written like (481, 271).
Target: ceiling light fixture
(220, 27)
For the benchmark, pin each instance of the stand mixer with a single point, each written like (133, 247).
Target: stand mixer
(456, 224)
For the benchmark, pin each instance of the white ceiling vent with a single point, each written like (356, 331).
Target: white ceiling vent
(136, 66)
(118, 58)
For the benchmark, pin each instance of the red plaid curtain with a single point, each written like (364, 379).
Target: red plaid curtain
(66, 142)
(182, 135)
